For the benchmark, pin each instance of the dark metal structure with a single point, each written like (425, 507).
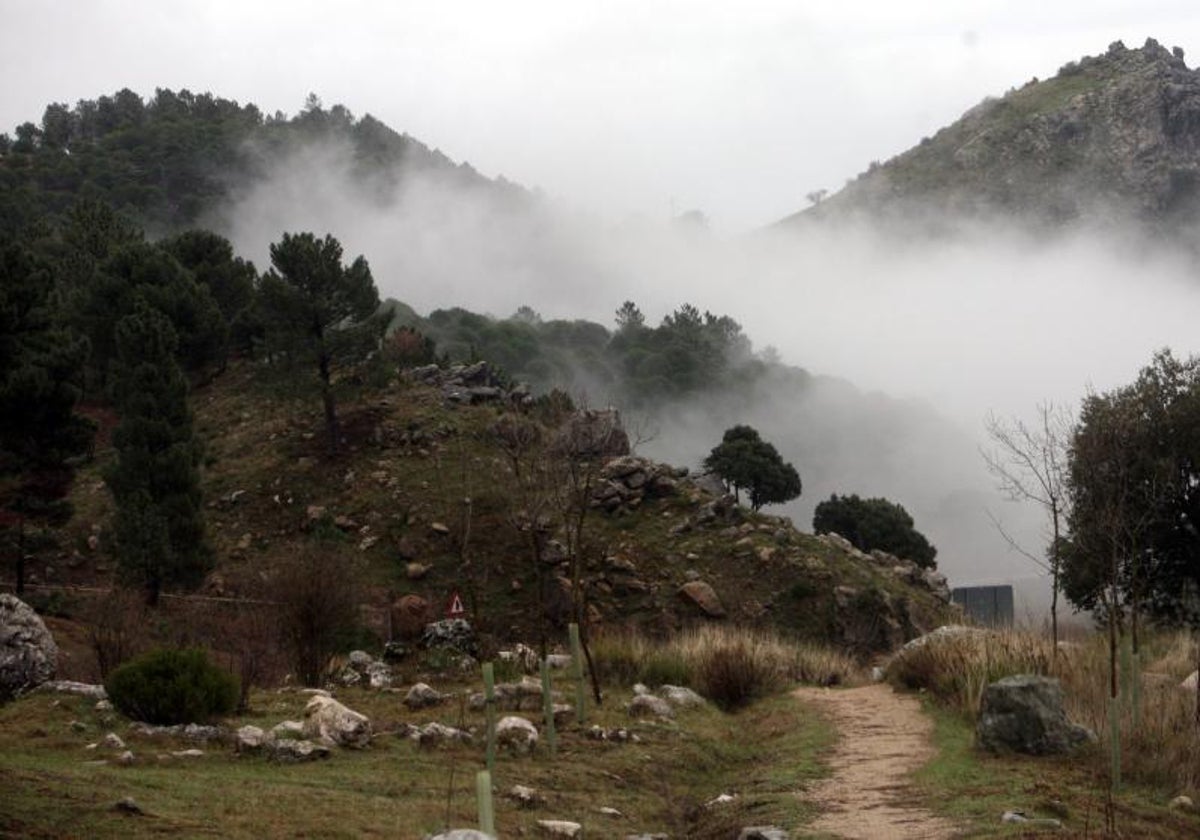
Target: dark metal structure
(991, 606)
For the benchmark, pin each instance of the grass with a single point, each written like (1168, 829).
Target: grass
(764, 754)
(1161, 752)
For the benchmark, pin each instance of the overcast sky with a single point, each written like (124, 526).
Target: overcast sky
(737, 109)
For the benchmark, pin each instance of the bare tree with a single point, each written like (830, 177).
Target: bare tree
(1030, 464)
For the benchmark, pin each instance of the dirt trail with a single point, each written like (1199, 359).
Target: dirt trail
(883, 738)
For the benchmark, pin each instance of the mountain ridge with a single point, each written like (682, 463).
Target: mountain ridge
(1110, 139)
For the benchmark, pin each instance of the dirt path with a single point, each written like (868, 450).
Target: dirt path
(883, 738)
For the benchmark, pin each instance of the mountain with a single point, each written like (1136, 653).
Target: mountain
(1111, 138)
(176, 160)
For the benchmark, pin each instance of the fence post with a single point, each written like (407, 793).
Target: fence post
(548, 707)
(577, 667)
(483, 795)
(489, 704)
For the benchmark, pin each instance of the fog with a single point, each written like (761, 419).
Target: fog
(932, 332)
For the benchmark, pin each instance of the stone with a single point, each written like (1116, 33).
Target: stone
(720, 799)
(249, 739)
(92, 692)
(128, 805)
(763, 832)
(289, 751)
(416, 571)
(112, 741)
(1189, 683)
(517, 734)
(1029, 822)
(452, 633)
(649, 706)
(327, 720)
(379, 675)
(609, 812)
(434, 733)
(461, 834)
(28, 655)
(524, 797)
(410, 615)
(558, 661)
(440, 528)
(124, 759)
(1182, 803)
(593, 434)
(680, 696)
(702, 595)
(421, 696)
(188, 753)
(1024, 713)
(560, 828)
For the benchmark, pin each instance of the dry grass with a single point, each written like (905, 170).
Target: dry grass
(730, 665)
(1160, 743)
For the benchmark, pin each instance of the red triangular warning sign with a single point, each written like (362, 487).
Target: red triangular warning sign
(455, 609)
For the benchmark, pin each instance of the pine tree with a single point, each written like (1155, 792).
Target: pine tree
(158, 529)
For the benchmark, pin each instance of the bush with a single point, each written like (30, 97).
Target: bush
(874, 524)
(172, 686)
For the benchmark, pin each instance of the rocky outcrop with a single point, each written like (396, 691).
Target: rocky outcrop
(471, 384)
(1024, 714)
(365, 670)
(626, 481)
(328, 721)
(591, 434)
(28, 655)
(1111, 139)
(454, 634)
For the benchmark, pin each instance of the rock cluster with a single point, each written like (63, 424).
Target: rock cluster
(524, 695)
(364, 669)
(471, 384)
(628, 480)
(454, 634)
(28, 655)
(890, 564)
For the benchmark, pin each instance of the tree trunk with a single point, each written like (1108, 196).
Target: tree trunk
(21, 557)
(331, 422)
(1055, 566)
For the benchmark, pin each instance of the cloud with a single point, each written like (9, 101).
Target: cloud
(947, 327)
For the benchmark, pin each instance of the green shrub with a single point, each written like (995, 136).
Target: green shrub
(172, 686)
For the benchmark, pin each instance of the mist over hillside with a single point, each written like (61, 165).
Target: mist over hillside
(933, 332)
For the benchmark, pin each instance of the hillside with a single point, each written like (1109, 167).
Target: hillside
(390, 510)
(1110, 138)
(177, 159)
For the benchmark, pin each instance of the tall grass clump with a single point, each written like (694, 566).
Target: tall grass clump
(956, 667)
(1160, 745)
(731, 666)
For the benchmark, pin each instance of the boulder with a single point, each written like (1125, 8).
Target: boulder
(559, 828)
(1024, 713)
(328, 721)
(421, 696)
(453, 633)
(517, 734)
(681, 696)
(704, 597)
(287, 751)
(28, 655)
(1189, 684)
(434, 733)
(593, 434)
(461, 834)
(525, 797)
(250, 739)
(649, 706)
(410, 614)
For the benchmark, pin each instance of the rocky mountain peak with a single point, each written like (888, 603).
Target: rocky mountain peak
(1110, 138)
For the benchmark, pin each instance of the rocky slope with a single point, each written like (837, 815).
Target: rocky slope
(422, 503)
(1111, 138)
